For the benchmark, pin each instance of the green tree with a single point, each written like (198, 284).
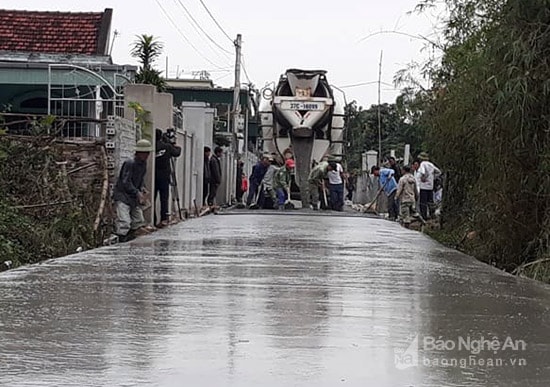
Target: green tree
(147, 49)
(356, 135)
(401, 123)
(487, 125)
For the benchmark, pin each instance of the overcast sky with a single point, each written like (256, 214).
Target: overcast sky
(277, 35)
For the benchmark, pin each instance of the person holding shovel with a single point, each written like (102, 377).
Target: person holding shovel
(316, 179)
(389, 186)
(268, 191)
(281, 183)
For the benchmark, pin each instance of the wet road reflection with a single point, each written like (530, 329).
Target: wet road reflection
(249, 300)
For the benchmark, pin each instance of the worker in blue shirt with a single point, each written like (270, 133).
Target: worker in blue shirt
(387, 181)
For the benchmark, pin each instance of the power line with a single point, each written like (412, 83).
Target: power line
(364, 84)
(215, 21)
(243, 65)
(417, 37)
(202, 29)
(244, 69)
(221, 77)
(222, 70)
(185, 37)
(201, 32)
(246, 74)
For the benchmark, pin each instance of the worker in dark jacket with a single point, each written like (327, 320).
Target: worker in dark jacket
(206, 174)
(239, 181)
(215, 174)
(165, 149)
(256, 177)
(396, 170)
(129, 194)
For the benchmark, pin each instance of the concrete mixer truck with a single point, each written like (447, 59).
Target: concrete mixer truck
(302, 118)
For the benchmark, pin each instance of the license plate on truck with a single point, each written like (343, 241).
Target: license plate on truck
(297, 105)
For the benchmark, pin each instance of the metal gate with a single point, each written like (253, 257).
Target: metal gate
(83, 99)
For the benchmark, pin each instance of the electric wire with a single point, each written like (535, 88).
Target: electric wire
(200, 32)
(222, 70)
(246, 74)
(202, 29)
(364, 84)
(185, 37)
(244, 70)
(221, 77)
(215, 21)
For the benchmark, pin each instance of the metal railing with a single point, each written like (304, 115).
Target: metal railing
(83, 100)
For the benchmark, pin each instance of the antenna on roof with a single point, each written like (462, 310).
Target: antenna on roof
(115, 35)
(203, 75)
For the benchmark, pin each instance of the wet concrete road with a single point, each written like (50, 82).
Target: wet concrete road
(259, 300)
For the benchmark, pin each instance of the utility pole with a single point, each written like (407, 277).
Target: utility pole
(379, 113)
(237, 87)
(236, 110)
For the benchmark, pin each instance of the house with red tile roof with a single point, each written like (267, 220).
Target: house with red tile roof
(82, 33)
(58, 63)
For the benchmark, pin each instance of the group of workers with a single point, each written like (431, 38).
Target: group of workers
(410, 190)
(270, 184)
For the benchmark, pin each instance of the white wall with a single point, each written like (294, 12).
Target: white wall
(198, 121)
(196, 132)
(160, 107)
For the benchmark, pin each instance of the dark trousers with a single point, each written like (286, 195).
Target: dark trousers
(267, 198)
(239, 190)
(212, 193)
(393, 208)
(252, 190)
(162, 189)
(205, 186)
(426, 201)
(336, 196)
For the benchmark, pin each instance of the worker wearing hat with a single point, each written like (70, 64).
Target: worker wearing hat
(267, 186)
(316, 181)
(129, 193)
(424, 156)
(281, 183)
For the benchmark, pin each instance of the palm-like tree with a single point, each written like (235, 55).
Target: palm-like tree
(147, 49)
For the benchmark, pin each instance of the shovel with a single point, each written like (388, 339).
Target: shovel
(254, 205)
(324, 194)
(377, 195)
